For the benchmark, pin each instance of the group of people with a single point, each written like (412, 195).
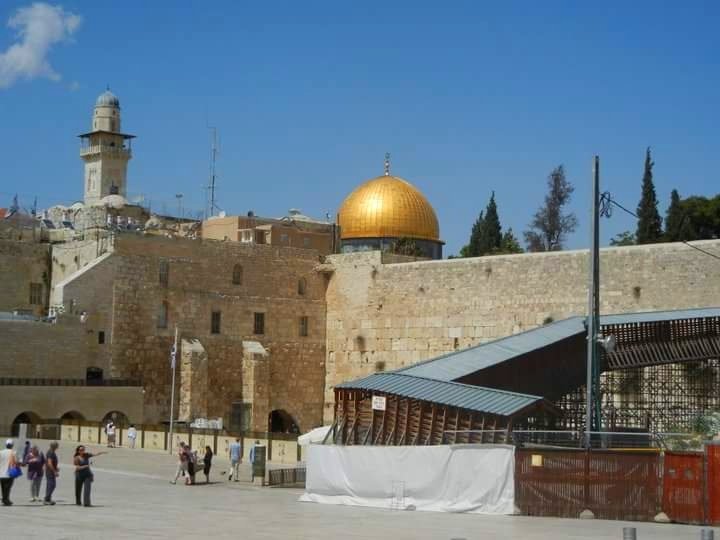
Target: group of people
(110, 430)
(46, 466)
(235, 453)
(188, 464)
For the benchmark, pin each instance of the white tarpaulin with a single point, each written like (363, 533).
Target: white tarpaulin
(316, 435)
(458, 478)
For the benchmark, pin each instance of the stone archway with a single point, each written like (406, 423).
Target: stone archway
(120, 419)
(25, 417)
(72, 415)
(280, 421)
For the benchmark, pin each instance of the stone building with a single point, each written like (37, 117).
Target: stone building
(293, 230)
(251, 322)
(106, 151)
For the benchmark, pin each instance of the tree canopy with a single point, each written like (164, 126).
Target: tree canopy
(550, 225)
(487, 237)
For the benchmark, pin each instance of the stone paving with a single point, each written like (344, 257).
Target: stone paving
(134, 499)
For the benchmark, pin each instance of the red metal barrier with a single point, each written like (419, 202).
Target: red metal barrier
(683, 487)
(713, 483)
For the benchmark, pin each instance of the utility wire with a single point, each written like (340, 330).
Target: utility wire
(606, 196)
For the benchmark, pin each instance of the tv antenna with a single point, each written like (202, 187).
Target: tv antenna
(211, 207)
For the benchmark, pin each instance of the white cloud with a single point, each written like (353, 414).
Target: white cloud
(39, 27)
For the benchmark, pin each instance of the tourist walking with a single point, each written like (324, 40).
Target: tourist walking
(83, 475)
(182, 463)
(131, 435)
(35, 463)
(235, 452)
(207, 463)
(110, 432)
(8, 462)
(25, 453)
(251, 459)
(51, 472)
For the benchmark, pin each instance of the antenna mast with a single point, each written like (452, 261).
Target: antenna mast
(211, 187)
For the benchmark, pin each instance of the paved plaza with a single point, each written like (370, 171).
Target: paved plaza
(134, 499)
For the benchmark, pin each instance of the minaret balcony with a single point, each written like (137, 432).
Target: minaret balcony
(106, 150)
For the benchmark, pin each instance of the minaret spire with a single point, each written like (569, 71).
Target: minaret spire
(387, 163)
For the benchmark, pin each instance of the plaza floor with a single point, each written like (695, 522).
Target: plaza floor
(134, 499)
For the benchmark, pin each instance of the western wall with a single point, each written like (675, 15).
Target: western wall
(382, 315)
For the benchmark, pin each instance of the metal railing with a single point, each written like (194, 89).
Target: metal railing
(34, 381)
(294, 477)
(105, 149)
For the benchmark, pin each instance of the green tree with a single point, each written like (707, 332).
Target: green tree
(701, 218)
(649, 226)
(625, 238)
(471, 249)
(674, 218)
(550, 225)
(490, 237)
(510, 243)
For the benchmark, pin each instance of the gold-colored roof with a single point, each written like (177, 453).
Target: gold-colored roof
(387, 207)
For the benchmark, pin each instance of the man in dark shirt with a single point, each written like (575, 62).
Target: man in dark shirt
(51, 472)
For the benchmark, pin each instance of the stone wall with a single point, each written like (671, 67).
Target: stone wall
(199, 283)
(43, 350)
(23, 263)
(384, 316)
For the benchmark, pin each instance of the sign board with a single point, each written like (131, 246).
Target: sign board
(378, 403)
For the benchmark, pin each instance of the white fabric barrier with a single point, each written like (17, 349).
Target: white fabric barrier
(448, 478)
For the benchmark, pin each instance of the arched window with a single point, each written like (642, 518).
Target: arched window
(237, 276)
(302, 286)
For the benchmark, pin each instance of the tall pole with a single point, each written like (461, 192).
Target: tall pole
(173, 356)
(593, 304)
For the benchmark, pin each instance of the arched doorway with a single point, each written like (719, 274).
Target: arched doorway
(279, 421)
(27, 417)
(71, 415)
(120, 419)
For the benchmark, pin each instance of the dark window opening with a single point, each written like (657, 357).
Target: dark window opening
(101, 337)
(237, 276)
(302, 286)
(215, 322)
(36, 293)
(162, 317)
(93, 376)
(303, 326)
(259, 326)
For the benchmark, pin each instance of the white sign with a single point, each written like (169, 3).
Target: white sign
(378, 403)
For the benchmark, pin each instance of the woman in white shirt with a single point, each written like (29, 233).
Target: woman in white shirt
(8, 459)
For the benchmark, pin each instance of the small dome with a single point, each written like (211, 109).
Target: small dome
(107, 99)
(387, 207)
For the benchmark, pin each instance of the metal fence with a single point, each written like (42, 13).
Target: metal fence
(294, 477)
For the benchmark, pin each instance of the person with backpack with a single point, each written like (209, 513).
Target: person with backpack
(8, 471)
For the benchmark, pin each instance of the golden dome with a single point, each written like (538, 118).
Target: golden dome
(387, 207)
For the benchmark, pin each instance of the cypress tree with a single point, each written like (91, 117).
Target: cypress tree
(649, 227)
(674, 218)
(475, 234)
(491, 233)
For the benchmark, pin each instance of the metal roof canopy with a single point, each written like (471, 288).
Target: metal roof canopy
(550, 360)
(474, 398)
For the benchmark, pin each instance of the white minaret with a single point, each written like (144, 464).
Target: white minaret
(105, 151)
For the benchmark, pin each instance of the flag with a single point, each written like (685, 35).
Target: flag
(172, 356)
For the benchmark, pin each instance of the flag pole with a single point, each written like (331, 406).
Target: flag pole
(173, 355)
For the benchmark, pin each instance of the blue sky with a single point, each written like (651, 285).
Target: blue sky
(469, 97)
